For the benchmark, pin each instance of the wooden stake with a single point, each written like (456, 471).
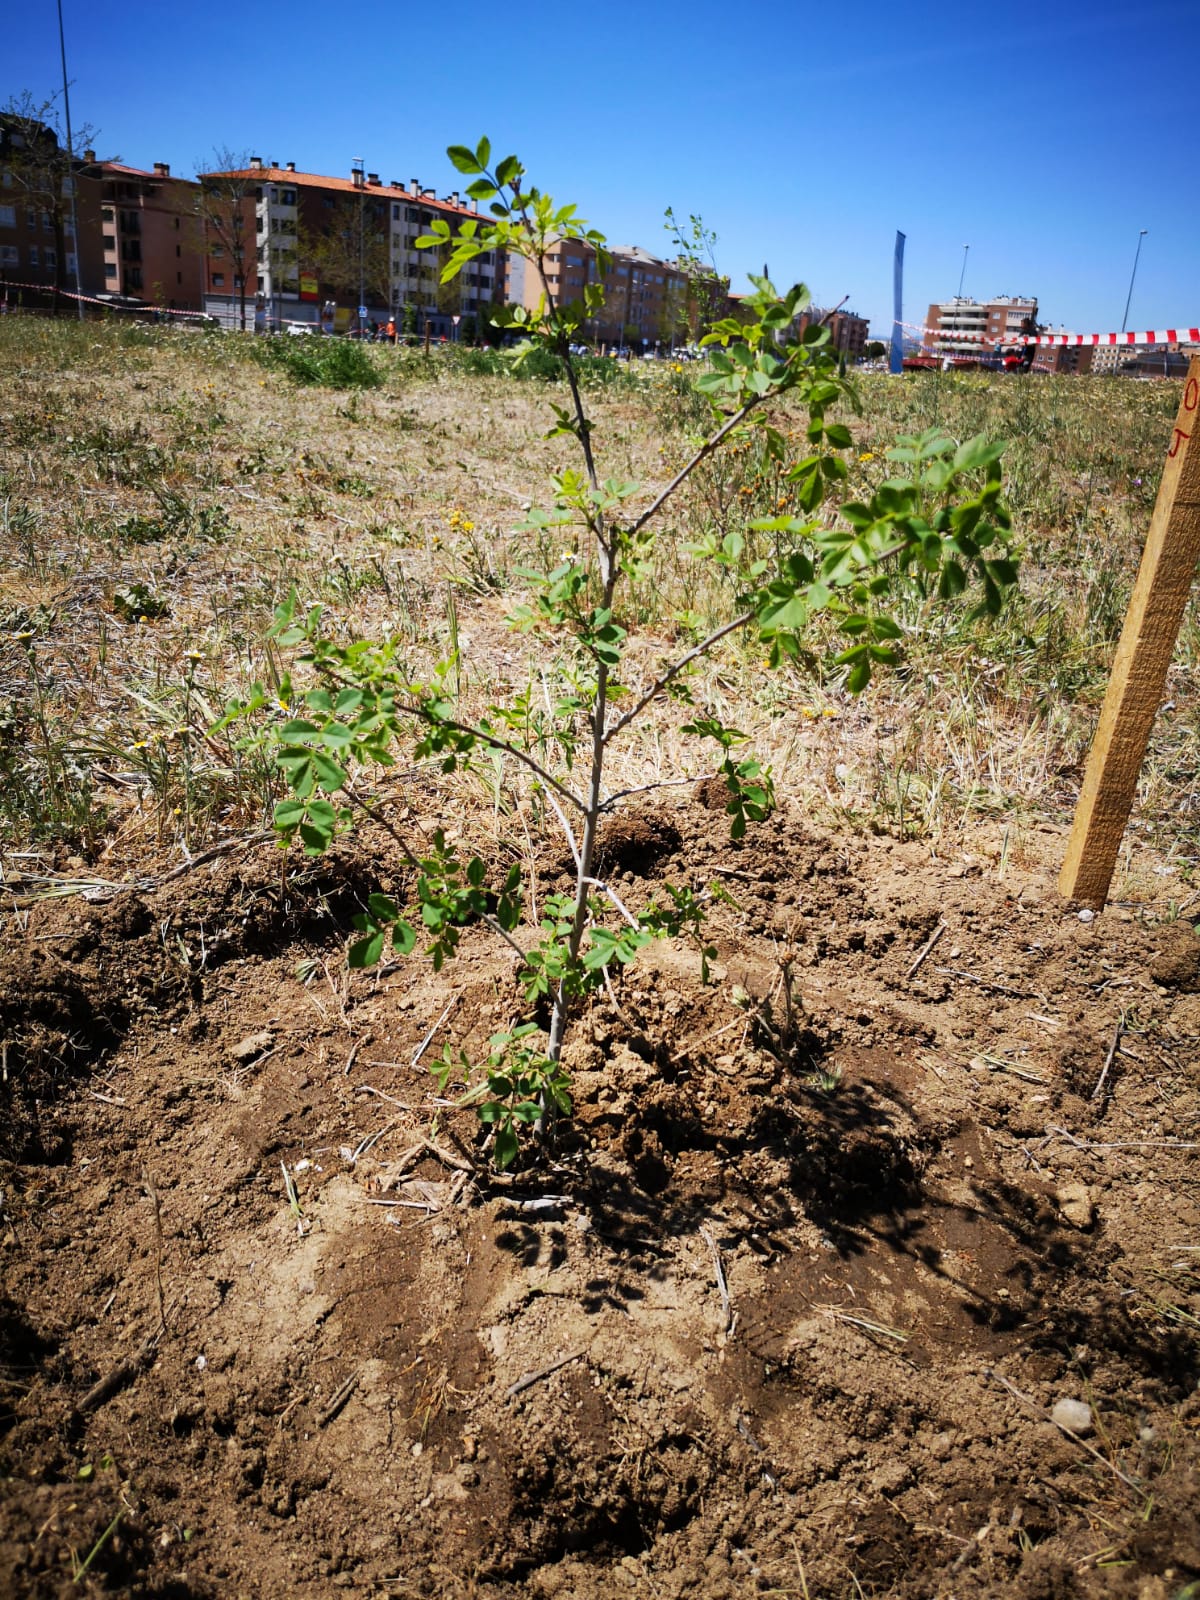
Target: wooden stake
(1139, 672)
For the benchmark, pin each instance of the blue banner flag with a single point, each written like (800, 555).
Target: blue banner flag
(897, 361)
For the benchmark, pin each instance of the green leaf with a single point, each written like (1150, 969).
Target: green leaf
(860, 673)
(506, 1147)
(975, 453)
(465, 160)
(382, 907)
(366, 952)
(953, 580)
(404, 938)
(329, 775)
(289, 814)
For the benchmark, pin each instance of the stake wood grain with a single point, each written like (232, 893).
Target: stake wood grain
(1143, 657)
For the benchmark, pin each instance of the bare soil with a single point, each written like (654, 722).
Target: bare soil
(785, 1313)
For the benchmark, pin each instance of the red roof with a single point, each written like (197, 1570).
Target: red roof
(316, 180)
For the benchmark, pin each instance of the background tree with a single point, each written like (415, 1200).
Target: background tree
(707, 291)
(347, 245)
(40, 169)
(225, 209)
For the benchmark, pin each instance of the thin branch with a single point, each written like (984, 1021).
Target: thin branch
(706, 449)
(387, 827)
(509, 749)
(664, 783)
(528, 1379)
(1110, 1057)
(660, 683)
(612, 894)
(496, 927)
(420, 715)
(565, 826)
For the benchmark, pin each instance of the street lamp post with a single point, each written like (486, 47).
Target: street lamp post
(1141, 235)
(268, 197)
(962, 275)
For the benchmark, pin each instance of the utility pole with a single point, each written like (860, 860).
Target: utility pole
(962, 275)
(62, 46)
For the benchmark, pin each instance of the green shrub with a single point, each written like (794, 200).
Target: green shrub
(332, 363)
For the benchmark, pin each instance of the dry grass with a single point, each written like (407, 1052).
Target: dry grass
(160, 492)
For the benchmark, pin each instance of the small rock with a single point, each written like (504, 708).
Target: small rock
(1077, 1204)
(1073, 1414)
(253, 1045)
(1087, 915)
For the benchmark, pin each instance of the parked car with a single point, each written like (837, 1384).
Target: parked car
(300, 330)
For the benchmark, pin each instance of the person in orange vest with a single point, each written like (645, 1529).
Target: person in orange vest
(390, 330)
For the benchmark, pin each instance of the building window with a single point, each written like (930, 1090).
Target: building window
(135, 278)
(178, 250)
(218, 278)
(47, 223)
(110, 269)
(33, 255)
(8, 255)
(110, 241)
(8, 216)
(287, 197)
(106, 214)
(50, 256)
(262, 283)
(179, 277)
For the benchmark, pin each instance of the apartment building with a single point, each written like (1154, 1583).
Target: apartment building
(646, 298)
(38, 182)
(848, 333)
(151, 233)
(965, 326)
(301, 240)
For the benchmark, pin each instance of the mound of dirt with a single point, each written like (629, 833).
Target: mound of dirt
(786, 1310)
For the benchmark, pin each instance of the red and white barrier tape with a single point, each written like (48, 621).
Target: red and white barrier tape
(1153, 336)
(105, 305)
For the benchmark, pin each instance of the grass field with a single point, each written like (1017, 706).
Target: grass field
(161, 492)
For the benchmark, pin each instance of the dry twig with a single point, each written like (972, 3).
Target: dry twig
(528, 1379)
(925, 949)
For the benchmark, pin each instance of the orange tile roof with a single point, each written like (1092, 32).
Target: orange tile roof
(316, 180)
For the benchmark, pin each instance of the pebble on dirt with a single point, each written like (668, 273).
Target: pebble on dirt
(1073, 1414)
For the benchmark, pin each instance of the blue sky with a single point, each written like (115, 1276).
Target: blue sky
(1045, 135)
